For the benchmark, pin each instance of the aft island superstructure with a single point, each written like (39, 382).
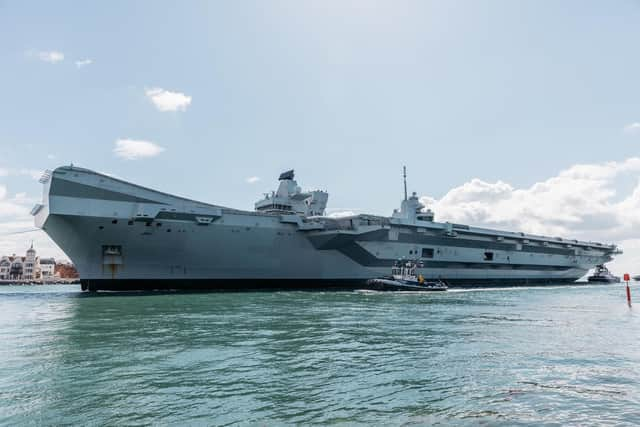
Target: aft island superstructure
(122, 236)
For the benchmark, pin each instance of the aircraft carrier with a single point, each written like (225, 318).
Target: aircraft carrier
(122, 236)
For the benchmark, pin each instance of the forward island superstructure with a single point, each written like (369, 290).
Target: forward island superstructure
(122, 236)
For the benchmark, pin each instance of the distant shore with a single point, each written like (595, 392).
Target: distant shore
(40, 282)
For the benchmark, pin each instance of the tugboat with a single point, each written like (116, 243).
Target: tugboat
(403, 278)
(603, 275)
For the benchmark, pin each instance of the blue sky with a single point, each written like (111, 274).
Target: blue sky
(345, 92)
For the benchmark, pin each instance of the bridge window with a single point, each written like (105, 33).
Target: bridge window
(427, 252)
(488, 256)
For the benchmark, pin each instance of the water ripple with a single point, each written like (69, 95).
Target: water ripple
(554, 356)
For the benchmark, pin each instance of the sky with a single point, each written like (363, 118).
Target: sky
(510, 114)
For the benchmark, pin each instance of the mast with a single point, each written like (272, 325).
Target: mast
(404, 176)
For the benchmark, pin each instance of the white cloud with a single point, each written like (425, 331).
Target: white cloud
(17, 228)
(581, 202)
(633, 128)
(165, 100)
(629, 262)
(51, 56)
(131, 149)
(33, 173)
(17, 206)
(252, 179)
(83, 63)
(17, 234)
(51, 156)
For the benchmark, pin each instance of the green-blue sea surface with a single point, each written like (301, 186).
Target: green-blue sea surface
(566, 355)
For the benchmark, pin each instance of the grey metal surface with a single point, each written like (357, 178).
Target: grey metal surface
(165, 237)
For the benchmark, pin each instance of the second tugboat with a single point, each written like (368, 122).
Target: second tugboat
(603, 275)
(403, 278)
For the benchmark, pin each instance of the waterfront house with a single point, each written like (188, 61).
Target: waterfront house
(17, 268)
(5, 267)
(47, 268)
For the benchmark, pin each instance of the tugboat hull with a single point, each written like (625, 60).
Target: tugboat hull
(397, 285)
(603, 280)
(603, 275)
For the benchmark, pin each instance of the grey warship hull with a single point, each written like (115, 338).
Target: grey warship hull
(122, 236)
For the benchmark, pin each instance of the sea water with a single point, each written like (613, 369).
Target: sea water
(565, 355)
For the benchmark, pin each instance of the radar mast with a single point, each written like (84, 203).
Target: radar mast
(404, 176)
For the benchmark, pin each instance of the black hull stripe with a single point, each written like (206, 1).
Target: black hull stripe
(347, 244)
(63, 187)
(286, 284)
(365, 258)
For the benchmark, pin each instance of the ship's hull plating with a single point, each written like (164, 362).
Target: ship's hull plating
(124, 237)
(257, 285)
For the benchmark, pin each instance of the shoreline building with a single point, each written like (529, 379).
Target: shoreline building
(28, 267)
(47, 268)
(17, 268)
(5, 267)
(31, 268)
